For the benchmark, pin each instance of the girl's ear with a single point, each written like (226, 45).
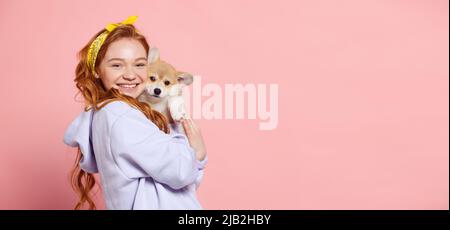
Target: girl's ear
(153, 55)
(185, 78)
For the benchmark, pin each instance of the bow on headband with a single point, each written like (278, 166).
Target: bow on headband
(129, 21)
(98, 42)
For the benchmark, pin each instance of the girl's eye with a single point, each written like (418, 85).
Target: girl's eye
(141, 65)
(115, 65)
(166, 82)
(152, 78)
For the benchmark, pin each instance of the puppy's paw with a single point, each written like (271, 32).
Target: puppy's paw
(177, 108)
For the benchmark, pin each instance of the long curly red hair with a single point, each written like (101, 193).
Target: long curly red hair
(96, 97)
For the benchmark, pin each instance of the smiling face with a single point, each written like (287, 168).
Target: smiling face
(124, 67)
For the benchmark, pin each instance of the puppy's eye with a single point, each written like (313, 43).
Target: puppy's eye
(152, 78)
(166, 82)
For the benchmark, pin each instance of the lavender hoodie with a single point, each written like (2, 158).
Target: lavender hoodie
(140, 166)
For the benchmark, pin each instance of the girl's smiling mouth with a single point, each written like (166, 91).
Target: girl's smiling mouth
(128, 86)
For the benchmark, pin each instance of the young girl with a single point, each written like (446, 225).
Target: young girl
(143, 162)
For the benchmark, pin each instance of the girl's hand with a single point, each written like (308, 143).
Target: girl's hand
(195, 138)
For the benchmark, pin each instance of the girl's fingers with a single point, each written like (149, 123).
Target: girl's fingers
(186, 127)
(191, 125)
(194, 126)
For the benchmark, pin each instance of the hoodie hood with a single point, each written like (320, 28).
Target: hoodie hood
(79, 134)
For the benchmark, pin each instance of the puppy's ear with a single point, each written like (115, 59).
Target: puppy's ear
(185, 78)
(153, 55)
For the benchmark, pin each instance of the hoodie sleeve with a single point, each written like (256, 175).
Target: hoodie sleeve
(176, 129)
(201, 172)
(140, 149)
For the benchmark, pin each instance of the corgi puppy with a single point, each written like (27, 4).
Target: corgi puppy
(163, 91)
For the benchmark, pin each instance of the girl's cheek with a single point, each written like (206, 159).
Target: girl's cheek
(143, 74)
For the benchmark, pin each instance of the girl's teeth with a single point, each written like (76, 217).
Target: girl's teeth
(128, 86)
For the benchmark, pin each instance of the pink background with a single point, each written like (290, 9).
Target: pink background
(363, 98)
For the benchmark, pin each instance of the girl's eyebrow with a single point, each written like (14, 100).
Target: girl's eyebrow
(120, 59)
(115, 59)
(141, 58)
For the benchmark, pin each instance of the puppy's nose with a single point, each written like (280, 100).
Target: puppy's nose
(157, 91)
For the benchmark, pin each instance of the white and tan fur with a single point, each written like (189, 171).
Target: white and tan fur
(163, 92)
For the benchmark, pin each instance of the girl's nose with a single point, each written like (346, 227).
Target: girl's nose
(129, 77)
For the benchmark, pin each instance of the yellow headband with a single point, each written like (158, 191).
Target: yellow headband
(98, 42)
